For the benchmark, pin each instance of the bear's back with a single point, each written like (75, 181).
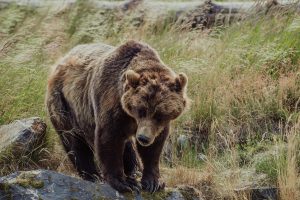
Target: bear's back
(90, 51)
(84, 53)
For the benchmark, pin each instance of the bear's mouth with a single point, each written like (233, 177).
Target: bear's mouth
(144, 140)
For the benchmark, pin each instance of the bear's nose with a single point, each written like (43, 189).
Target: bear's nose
(143, 139)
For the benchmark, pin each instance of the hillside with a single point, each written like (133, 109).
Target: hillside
(242, 129)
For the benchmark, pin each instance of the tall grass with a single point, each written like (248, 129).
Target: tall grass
(288, 176)
(243, 82)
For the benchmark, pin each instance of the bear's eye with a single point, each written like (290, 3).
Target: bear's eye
(173, 87)
(142, 112)
(158, 117)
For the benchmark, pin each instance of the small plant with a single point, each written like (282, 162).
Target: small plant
(268, 166)
(29, 180)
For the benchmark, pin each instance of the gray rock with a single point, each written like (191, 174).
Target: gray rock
(260, 193)
(175, 195)
(48, 185)
(270, 193)
(248, 178)
(21, 135)
(183, 141)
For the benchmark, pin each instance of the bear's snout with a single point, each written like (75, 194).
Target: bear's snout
(145, 134)
(143, 140)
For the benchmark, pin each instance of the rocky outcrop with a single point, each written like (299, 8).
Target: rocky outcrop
(259, 193)
(44, 184)
(48, 185)
(21, 135)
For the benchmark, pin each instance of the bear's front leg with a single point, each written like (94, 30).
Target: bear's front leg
(150, 157)
(109, 151)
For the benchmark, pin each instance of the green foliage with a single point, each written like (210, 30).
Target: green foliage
(13, 16)
(81, 9)
(268, 166)
(243, 79)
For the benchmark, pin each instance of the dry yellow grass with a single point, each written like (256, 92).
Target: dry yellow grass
(289, 177)
(185, 176)
(243, 81)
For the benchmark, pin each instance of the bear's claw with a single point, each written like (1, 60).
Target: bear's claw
(123, 185)
(152, 185)
(133, 184)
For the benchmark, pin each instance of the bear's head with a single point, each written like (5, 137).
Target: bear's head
(153, 99)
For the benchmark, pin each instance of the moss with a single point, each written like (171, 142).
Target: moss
(5, 187)
(103, 198)
(189, 193)
(146, 195)
(29, 180)
(30, 183)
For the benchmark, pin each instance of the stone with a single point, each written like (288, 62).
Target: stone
(183, 141)
(175, 195)
(270, 193)
(22, 135)
(248, 178)
(48, 185)
(260, 193)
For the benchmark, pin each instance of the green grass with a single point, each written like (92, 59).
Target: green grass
(243, 81)
(22, 66)
(268, 166)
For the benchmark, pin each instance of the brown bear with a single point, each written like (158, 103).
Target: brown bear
(101, 99)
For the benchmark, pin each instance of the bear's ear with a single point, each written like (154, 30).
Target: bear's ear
(132, 78)
(181, 81)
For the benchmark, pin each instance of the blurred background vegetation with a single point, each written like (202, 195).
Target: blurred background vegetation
(244, 81)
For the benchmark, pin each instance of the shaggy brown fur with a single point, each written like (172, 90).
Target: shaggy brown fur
(100, 96)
